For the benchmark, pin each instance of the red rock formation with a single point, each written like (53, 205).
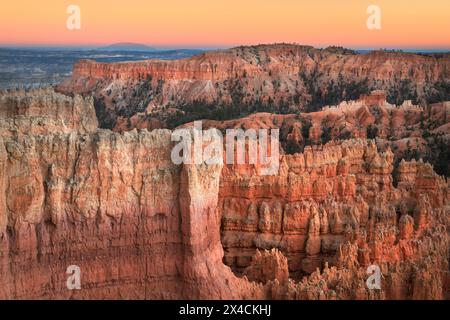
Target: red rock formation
(410, 131)
(375, 98)
(319, 217)
(142, 227)
(268, 266)
(275, 77)
(42, 110)
(116, 206)
(113, 204)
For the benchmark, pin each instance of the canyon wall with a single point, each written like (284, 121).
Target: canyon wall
(321, 199)
(42, 110)
(410, 131)
(275, 78)
(113, 204)
(141, 227)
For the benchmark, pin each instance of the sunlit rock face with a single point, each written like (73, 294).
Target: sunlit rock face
(115, 205)
(141, 227)
(323, 198)
(275, 78)
(40, 111)
(411, 132)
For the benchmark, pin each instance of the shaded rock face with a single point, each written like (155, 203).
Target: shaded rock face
(139, 226)
(274, 78)
(268, 266)
(86, 200)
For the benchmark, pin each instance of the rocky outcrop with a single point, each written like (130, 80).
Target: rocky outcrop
(117, 207)
(40, 111)
(139, 226)
(329, 239)
(274, 78)
(321, 199)
(410, 131)
(268, 266)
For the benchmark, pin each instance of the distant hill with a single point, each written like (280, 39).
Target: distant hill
(126, 46)
(284, 78)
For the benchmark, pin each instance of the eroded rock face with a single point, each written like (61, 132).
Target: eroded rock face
(274, 78)
(268, 266)
(40, 111)
(87, 200)
(142, 227)
(323, 198)
(411, 132)
(116, 206)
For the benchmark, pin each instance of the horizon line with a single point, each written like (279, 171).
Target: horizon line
(216, 47)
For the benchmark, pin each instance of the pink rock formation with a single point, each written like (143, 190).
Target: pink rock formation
(279, 77)
(42, 110)
(268, 266)
(410, 131)
(141, 227)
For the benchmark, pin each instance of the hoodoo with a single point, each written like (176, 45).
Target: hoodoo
(140, 226)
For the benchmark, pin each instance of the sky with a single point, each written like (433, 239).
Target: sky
(225, 23)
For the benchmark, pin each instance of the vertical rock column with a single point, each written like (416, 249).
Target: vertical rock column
(204, 274)
(4, 245)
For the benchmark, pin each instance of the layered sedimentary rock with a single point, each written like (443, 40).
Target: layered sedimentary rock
(274, 78)
(328, 196)
(139, 226)
(113, 204)
(117, 207)
(410, 131)
(40, 111)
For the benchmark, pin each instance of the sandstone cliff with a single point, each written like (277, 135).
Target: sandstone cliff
(142, 227)
(275, 78)
(40, 111)
(113, 204)
(327, 197)
(410, 131)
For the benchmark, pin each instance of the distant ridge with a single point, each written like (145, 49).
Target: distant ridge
(127, 46)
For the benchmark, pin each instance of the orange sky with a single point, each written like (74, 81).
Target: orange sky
(210, 23)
